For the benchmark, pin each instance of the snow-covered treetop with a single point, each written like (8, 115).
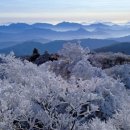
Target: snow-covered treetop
(68, 94)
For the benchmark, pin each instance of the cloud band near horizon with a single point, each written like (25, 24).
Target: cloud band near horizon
(54, 11)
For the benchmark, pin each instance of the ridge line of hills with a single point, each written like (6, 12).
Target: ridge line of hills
(62, 31)
(54, 46)
(97, 36)
(123, 47)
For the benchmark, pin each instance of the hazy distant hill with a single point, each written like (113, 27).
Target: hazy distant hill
(119, 47)
(43, 25)
(62, 31)
(12, 43)
(39, 33)
(8, 44)
(123, 39)
(23, 48)
(68, 26)
(19, 33)
(27, 47)
(98, 25)
(14, 27)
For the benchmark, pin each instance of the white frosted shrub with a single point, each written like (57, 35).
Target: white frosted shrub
(41, 97)
(122, 72)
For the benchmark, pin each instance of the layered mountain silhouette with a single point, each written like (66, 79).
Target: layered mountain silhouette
(123, 39)
(123, 47)
(61, 31)
(26, 48)
(44, 36)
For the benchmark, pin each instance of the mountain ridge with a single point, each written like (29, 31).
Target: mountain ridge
(26, 48)
(123, 47)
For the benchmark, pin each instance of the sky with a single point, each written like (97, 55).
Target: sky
(54, 11)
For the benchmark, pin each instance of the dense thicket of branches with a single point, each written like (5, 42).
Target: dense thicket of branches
(67, 94)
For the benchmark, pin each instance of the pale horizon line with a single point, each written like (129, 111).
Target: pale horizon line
(55, 23)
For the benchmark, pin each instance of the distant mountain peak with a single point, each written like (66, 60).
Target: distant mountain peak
(82, 30)
(43, 25)
(68, 24)
(98, 25)
(19, 25)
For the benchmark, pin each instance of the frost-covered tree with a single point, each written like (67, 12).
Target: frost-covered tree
(121, 72)
(67, 94)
